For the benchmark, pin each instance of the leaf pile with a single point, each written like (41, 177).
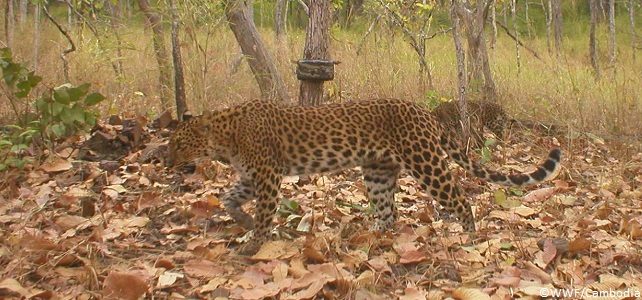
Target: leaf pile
(106, 219)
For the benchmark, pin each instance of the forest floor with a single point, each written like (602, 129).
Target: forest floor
(106, 219)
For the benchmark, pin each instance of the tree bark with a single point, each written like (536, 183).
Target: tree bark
(462, 82)
(279, 18)
(162, 58)
(259, 59)
(317, 41)
(632, 27)
(179, 79)
(9, 22)
(479, 71)
(592, 39)
(612, 43)
(556, 9)
(493, 22)
(22, 15)
(514, 19)
(36, 36)
(548, 12)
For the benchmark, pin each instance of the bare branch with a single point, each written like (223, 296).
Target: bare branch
(511, 35)
(72, 46)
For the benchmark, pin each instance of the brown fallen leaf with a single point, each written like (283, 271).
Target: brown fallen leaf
(413, 293)
(540, 195)
(275, 250)
(202, 268)
(56, 164)
(126, 286)
(408, 253)
(13, 286)
(469, 294)
(579, 244)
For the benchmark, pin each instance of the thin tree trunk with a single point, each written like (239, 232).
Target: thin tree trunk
(556, 17)
(514, 17)
(279, 18)
(9, 22)
(612, 43)
(592, 40)
(257, 55)
(479, 71)
(547, 9)
(162, 58)
(22, 16)
(462, 82)
(179, 79)
(70, 16)
(36, 36)
(493, 21)
(528, 20)
(632, 27)
(317, 42)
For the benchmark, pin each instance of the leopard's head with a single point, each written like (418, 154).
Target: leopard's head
(205, 136)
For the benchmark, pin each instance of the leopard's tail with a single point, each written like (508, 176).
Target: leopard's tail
(546, 171)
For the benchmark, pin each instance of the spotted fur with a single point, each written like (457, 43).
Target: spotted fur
(265, 141)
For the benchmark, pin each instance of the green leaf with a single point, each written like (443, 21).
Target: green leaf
(41, 104)
(59, 129)
(4, 143)
(485, 155)
(94, 98)
(57, 108)
(90, 119)
(291, 205)
(3, 167)
(61, 95)
(504, 201)
(71, 115)
(75, 94)
(505, 246)
(19, 147)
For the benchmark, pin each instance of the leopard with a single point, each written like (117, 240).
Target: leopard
(483, 113)
(265, 141)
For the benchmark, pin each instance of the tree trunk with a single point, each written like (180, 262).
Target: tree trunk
(493, 22)
(259, 59)
(592, 40)
(279, 18)
(162, 58)
(528, 20)
(317, 42)
(632, 27)
(479, 72)
(179, 79)
(22, 15)
(9, 22)
(612, 43)
(36, 36)
(548, 12)
(556, 10)
(514, 19)
(462, 82)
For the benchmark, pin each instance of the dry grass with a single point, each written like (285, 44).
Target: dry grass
(561, 91)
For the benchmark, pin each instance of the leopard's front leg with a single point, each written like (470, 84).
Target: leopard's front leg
(267, 183)
(234, 199)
